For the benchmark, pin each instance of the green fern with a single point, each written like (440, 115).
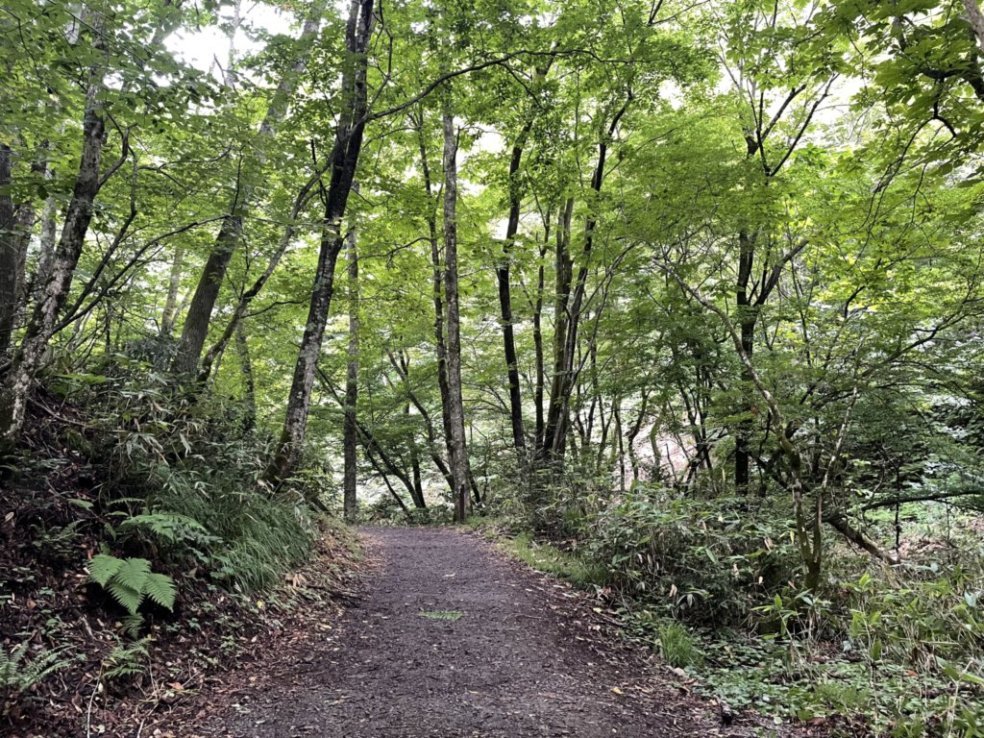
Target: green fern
(18, 673)
(170, 527)
(128, 660)
(130, 581)
(132, 625)
(160, 588)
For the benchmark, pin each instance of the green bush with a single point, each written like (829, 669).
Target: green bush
(179, 478)
(551, 502)
(705, 561)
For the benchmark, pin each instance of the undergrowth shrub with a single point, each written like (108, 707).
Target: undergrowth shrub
(552, 502)
(902, 646)
(705, 561)
(178, 472)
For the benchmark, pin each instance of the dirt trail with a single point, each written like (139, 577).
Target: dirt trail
(451, 639)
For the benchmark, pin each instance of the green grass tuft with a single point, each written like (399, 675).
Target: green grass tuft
(441, 614)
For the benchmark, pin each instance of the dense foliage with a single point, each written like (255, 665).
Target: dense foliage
(693, 291)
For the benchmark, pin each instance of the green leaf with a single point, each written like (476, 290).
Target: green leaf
(160, 588)
(128, 597)
(102, 568)
(133, 573)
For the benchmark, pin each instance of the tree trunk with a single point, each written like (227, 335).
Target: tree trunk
(564, 271)
(239, 314)
(351, 430)
(403, 369)
(393, 493)
(746, 321)
(437, 283)
(196, 324)
(505, 297)
(249, 383)
(49, 241)
(538, 342)
(564, 378)
(456, 444)
(976, 19)
(9, 252)
(88, 181)
(418, 485)
(344, 162)
(173, 286)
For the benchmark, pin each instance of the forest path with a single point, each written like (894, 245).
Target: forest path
(450, 638)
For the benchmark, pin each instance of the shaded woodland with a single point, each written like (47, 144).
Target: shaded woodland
(679, 301)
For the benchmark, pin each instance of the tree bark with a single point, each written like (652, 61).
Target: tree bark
(456, 446)
(437, 291)
(351, 431)
(538, 339)
(303, 196)
(746, 322)
(344, 162)
(9, 252)
(195, 328)
(976, 19)
(505, 297)
(249, 382)
(840, 523)
(170, 312)
(562, 286)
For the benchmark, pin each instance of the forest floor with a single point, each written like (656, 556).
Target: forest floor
(448, 637)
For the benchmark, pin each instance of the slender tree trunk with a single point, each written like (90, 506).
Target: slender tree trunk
(351, 430)
(382, 472)
(505, 297)
(746, 320)
(173, 286)
(344, 162)
(370, 443)
(403, 369)
(9, 252)
(195, 329)
(437, 285)
(88, 181)
(16, 226)
(456, 446)
(49, 241)
(634, 430)
(249, 382)
(290, 230)
(976, 19)
(418, 485)
(540, 370)
(564, 272)
(564, 379)
(620, 438)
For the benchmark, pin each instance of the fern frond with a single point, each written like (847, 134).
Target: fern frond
(132, 624)
(160, 589)
(128, 597)
(20, 674)
(130, 581)
(171, 527)
(102, 568)
(9, 664)
(133, 573)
